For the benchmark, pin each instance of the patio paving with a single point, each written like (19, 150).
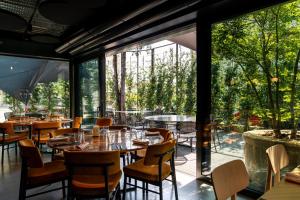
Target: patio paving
(231, 148)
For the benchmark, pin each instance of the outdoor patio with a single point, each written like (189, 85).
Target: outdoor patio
(231, 148)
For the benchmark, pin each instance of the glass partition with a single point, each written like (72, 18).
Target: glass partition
(89, 92)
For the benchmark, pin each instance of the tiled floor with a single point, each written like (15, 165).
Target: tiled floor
(189, 188)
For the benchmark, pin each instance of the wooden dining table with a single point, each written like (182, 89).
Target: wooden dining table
(285, 190)
(112, 140)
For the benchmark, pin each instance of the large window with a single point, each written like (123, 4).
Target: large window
(33, 87)
(89, 92)
(255, 87)
(158, 76)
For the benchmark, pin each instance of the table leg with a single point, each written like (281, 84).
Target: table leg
(29, 129)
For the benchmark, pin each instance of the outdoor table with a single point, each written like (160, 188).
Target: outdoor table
(171, 118)
(113, 140)
(132, 111)
(283, 191)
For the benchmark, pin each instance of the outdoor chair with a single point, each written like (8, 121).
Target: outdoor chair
(277, 159)
(229, 178)
(93, 174)
(186, 133)
(77, 122)
(104, 122)
(214, 134)
(9, 137)
(153, 169)
(42, 131)
(35, 173)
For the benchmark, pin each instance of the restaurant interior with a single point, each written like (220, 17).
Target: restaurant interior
(117, 100)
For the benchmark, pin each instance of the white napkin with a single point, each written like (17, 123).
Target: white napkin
(83, 145)
(294, 175)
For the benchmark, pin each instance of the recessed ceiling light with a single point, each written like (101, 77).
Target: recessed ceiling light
(11, 67)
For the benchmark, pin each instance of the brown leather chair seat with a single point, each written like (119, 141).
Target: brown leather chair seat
(94, 185)
(157, 165)
(35, 172)
(43, 139)
(52, 171)
(8, 136)
(146, 172)
(13, 138)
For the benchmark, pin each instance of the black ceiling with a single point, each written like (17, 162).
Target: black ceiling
(72, 27)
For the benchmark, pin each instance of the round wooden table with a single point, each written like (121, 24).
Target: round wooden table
(113, 140)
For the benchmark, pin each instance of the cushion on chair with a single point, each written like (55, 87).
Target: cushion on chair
(51, 172)
(140, 171)
(13, 138)
(43, 138)
(88, 185)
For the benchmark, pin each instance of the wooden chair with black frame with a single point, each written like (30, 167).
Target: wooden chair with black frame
(93, 174)
(35, 173)
(153, 169)
(9, 137)
(42, 132)
(139, 154)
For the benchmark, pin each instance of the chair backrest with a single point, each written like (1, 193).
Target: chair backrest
(62, 131)
(31, 154)
(187, 127)
(91, 163)
(8, 127)
(45, 127)
(277, 159)
(77, 122)
(104, 122)
(157, 151)
(229, 178)
(165, 133)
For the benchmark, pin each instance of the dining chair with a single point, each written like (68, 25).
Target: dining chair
(42, 131)
(77, 122)
(93, 174)
(186, 133)
(165, 133)
(104, 122)
(9, 137)
(229, 178)
(153, 169)
(35, 173)
(277, 159)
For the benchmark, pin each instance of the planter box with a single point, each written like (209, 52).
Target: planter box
(255, 147)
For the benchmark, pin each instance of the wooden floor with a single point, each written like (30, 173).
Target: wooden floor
(189, 188)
